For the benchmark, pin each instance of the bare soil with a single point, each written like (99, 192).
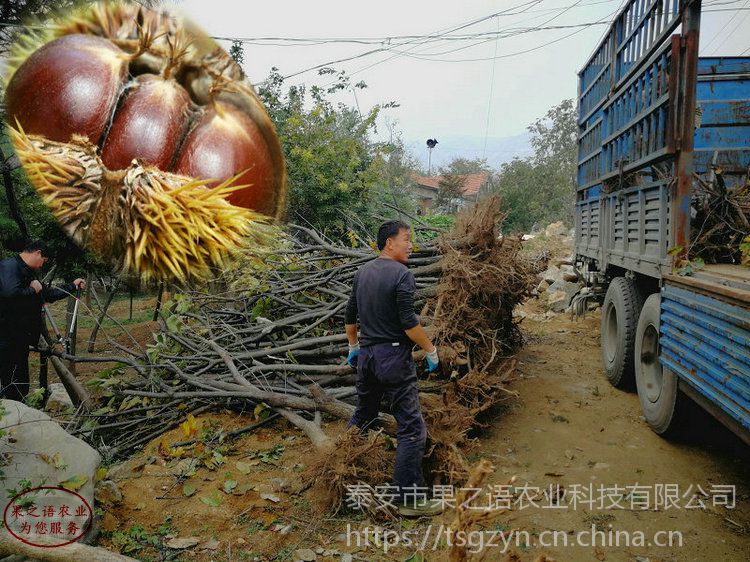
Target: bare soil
(567, 427)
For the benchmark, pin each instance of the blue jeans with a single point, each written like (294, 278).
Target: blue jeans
(387, 371)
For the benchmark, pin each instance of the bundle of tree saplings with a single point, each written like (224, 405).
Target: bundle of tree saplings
(269, 335)
(722, 218)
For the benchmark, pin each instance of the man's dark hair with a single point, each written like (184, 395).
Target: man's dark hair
(388, 230)
(34, 245)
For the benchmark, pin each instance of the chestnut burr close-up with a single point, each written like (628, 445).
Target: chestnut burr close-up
(144, 140)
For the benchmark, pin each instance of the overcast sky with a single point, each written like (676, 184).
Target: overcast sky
(437, 98)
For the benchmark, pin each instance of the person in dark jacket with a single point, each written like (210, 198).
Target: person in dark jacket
(21, 299)
(383, 299)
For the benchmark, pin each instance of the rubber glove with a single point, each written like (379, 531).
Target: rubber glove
(353, 355)
(432, 360)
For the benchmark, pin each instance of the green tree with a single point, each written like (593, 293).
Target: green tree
(554, 140)
(450, 193)
(541, 189)
(466, 166)
(237, 52)
(516, 182)
(394, 166)
(334, 169)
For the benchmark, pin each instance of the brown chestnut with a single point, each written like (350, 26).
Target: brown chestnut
(70, 86)
(148, 124)
(224, 143)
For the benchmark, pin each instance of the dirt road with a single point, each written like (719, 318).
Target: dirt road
(570, 427)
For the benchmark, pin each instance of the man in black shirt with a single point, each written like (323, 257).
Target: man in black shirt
(383, 299)
(21, 299)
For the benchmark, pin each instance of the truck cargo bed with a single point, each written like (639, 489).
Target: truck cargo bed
(630, 226)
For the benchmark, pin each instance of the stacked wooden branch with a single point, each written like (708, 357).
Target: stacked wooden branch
(722, 218)
(271, 333)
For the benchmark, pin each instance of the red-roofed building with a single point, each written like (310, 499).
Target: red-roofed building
(426, 188)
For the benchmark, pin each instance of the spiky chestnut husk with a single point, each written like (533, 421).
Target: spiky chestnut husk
(151, 38)
(194, 221)
(161, 225)
(154, 45)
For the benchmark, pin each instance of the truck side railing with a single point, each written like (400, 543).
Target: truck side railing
(636, 104)
(625, 117)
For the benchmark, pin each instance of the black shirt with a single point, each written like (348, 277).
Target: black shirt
(383, 298)
(20, 305)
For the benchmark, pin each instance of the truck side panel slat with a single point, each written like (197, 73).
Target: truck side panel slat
(700, 336)
(717, 339)
(716, 364)
(723, 65)
(719, 113)
(723, 313)
(722, 138)
(737, 411)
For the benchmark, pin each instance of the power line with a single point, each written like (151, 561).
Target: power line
(406, 53)
(489, 35)
(435, 34)
(724, 26)
(509, 55)
(581, 26)
(489, 98)
(389, 38)
(728, 35)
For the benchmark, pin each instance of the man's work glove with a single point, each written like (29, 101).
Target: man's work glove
(432, 360)
(353, 355)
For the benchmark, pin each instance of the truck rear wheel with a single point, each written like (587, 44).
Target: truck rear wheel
(661, 400)
(620, 311)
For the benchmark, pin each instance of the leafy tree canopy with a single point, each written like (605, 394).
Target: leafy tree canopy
(541, 189)
(336, 172)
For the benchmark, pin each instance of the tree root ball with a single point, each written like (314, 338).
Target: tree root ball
(128, 119)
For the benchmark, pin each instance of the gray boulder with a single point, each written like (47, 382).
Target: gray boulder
(58, 400)
(561, 301)
(557, 301)
(568, 273)
(552, 274)
(38, 450)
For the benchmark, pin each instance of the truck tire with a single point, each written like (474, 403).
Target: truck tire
(661, 400)
(620, 311)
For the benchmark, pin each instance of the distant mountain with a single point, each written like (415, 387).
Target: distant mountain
(499, 149)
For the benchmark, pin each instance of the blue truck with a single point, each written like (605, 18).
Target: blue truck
(652, 118)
